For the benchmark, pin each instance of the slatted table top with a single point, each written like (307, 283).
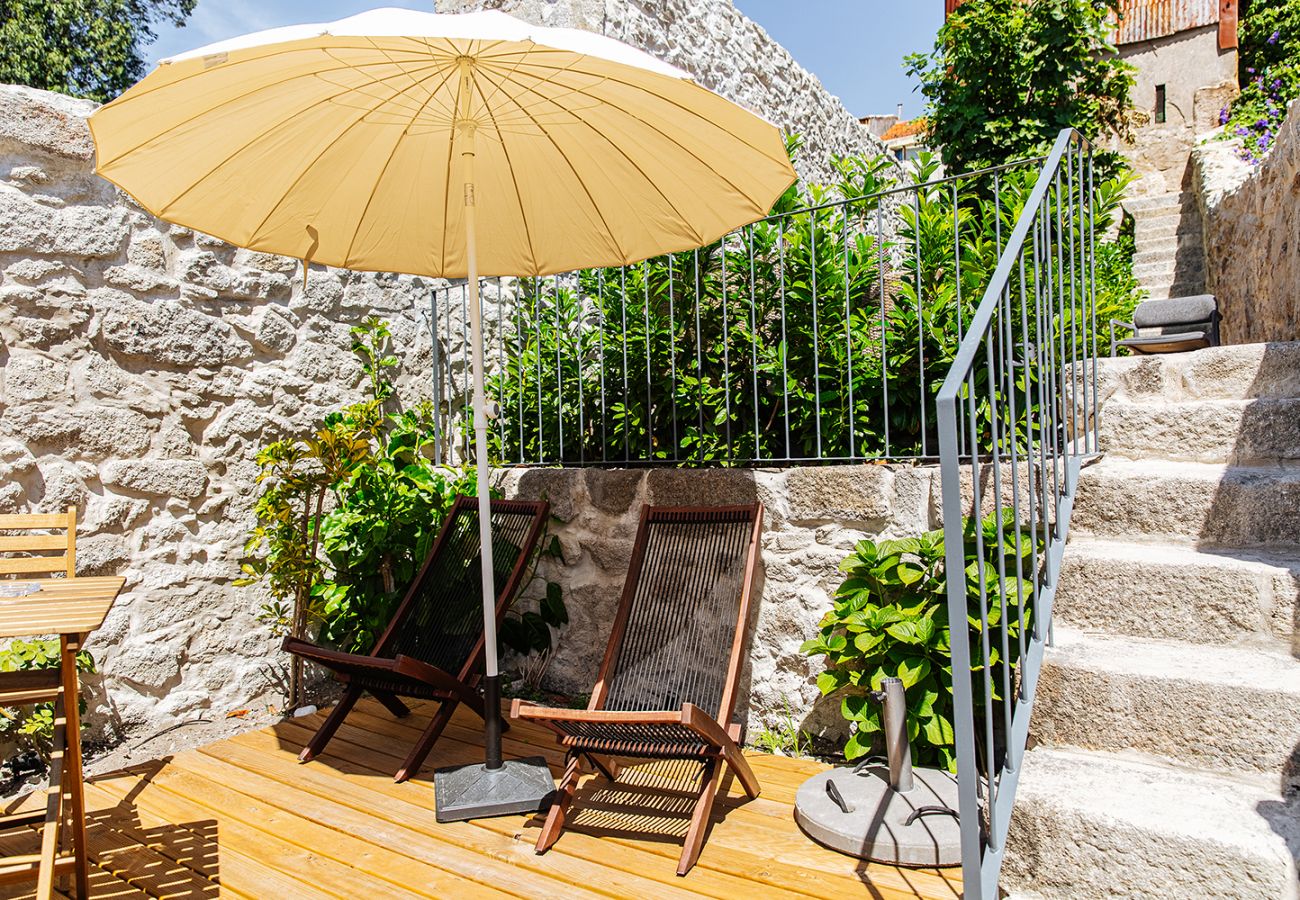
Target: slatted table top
(61, 606)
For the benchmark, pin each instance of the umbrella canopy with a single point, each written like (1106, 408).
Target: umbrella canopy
(335, 142)
(381, 141)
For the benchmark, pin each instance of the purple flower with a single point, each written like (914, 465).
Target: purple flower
(1242, 131)
(1223, 116)
(1272, 38)
(1250, 71)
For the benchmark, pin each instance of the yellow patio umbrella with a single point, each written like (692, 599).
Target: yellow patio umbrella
(452, 146)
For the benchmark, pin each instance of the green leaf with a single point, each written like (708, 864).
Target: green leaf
(857, 746)
(553, 609)
(913, 670)
(830, 682)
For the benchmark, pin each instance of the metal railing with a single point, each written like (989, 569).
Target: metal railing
(1022, 390)
(818, 334)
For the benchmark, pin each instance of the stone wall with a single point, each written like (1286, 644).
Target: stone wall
(1252, 235)
(726, 52)
(141, 366)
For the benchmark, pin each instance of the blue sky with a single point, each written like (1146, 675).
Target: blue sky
(856, 47)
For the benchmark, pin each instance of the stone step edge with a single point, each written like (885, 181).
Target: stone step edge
(1232, 667)
(1158, 552)
(1129, 772)
(1160, 469)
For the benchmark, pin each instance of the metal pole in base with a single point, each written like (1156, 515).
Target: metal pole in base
(494, 788)
(492, 721)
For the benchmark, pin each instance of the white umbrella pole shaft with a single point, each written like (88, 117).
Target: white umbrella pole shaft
(491, 686)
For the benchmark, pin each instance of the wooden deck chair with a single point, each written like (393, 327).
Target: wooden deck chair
(33, 548)
(433, 647)
(667, 686)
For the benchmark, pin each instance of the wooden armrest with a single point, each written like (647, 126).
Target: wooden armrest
(520, 709)
(706, 726)
(434, 677)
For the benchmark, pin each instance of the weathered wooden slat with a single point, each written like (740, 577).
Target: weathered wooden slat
(27, 565)
(20, 521)
(29, 542)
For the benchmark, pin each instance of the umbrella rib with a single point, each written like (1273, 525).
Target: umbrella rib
(317, 158)
(695, 234)
(209, 110)
(519, 197)
(572, 168)
(126, 99)
(610, 78)
(361, 220)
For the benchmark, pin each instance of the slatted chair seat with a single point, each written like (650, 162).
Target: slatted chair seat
(433, 647)
(667, 686)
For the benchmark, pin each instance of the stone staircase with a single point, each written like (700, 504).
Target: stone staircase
(1170, 257)
(1166, 728)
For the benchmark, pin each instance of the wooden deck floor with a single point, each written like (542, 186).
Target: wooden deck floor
(242, 818)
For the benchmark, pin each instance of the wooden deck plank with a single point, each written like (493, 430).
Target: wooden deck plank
(242, 818)
(744, 871)
(761, 823)
(638, 859)
(407, 850)
(341, 860)
(412, 808)
(251, 866)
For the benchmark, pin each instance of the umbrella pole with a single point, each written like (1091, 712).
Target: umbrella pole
(492, 677)
(495, 788)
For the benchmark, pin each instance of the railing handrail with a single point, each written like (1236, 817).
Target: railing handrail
(983, 316)
(1042, 369)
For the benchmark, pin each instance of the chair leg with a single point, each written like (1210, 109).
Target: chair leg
(420, 751)
(560, 805)
(73, 768)
(392, 704)
(316, 745)
(55, 809)
(735, 758)
(701, 817)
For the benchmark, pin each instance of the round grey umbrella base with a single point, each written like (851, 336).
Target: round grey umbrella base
(876, 827)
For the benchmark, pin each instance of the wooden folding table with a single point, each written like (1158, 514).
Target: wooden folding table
(70, 608)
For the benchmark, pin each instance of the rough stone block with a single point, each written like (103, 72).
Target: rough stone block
(1091, 825)
(184, 479)
(168, 333)
(30, 377)
(701, 487)
(82, 231)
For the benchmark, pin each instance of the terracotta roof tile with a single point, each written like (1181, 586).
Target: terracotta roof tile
(904, 129)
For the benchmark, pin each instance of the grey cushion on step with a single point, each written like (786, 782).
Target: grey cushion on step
(1191, 311)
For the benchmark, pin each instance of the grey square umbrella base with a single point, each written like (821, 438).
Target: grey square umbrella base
(477, 792)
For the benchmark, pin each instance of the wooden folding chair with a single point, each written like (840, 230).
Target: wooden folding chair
(667, 686)
(29, 553)
(433, 647)
(35, 548)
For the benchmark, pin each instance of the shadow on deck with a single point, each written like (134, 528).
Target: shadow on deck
(242, 818)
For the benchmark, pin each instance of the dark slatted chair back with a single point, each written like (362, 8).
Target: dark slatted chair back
(678, 624)
(440, 621)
